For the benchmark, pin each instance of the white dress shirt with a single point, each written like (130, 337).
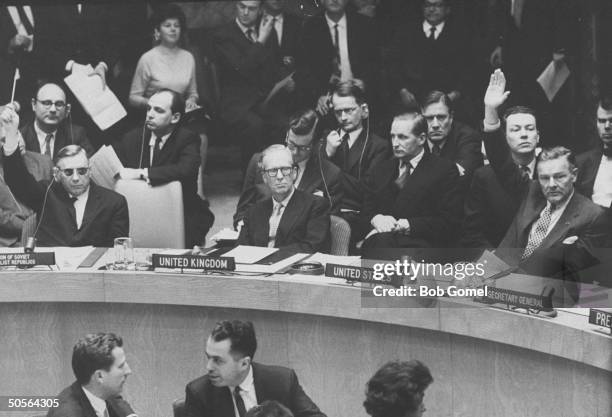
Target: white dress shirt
(79, 207)
(301, 168)
(345, 64)
(427, 29)
(98, 404)
(602, 188)
(164, 139)
(352, 136)
(247, 392)
(42, 136)
(277, 218)
(278, 25)
(555, 215)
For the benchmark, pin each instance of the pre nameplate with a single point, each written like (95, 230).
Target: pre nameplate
(600, 318)
(518, 299)
(27, 259)
(194, 262)
(359, 274)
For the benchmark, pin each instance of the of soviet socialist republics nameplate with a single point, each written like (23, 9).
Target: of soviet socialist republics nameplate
(22, 259)
(194, 262)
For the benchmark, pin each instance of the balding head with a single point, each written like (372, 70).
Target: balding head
(50, 107)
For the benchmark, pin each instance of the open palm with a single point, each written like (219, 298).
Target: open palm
(496, 95)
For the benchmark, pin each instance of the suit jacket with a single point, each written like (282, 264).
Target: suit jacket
(588, 167)
(254, 190)
(489, 210)
(304, 225)
(292, 28)
(462, 146)
(422, 66)
(105, 218)
(246, 71)
(375, 151)
(74, 403)
(429, 200)
(179, 160)
(316, 53)
(277, 383)
(64, 136)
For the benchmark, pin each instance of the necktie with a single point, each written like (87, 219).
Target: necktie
(156, 150)
(343, 150)
(25, 21)
(274, 34)
(537, 237)
(274, 222)
(250, 34)
(239, 402)
(525, 173)
(435, 149)
(517, 11)
(48, 139)
(336, 71)
(72, 209)
(404, 172)
(607, 151)
(432, 33)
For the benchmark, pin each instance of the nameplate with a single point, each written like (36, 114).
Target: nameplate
(194, 262)
(600, 318)
(518, 299)
(27, 259)
(359, 274)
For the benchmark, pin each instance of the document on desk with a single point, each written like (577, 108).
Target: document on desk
(100, 103)
(69, 258)
(553, 77)
(105, 164)
(249, 254)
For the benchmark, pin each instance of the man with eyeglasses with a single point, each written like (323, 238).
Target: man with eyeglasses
(52, 128)
(291, 219)
(316, 175)
(72, 210)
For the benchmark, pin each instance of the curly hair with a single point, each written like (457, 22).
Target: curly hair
(397, 388)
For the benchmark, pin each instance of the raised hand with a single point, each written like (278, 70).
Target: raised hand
(496, 95)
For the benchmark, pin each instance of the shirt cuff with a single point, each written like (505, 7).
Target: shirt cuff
(491, 127)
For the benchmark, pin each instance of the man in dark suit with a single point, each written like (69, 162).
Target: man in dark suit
(284, 36)
(448, 137)
(246, 66)
(353, 148)
(316, 175)
(346, 47)
(431, 54)
(234, 383)
(166, 152)
(489, 208)
(101, 369)
(555, 228)
(72, 210)
(291, 219)
(595, 166)
(412, 202)
(52, 128)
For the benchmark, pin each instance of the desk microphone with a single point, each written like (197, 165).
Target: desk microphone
(142, 142)
(31, 241)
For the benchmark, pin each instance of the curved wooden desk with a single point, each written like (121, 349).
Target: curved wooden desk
(485, 361)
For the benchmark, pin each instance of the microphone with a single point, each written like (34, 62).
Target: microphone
(142, 142)
(31, 241)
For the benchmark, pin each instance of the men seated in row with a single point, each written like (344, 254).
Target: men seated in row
(595, 166)
(234, 383)
(101, 369)
(316, 175)
(489, 207)
(354, 148)
(290, 219)
(163, 152)
(555, 227)
(72, 210)
(413, 201)
(52, 127)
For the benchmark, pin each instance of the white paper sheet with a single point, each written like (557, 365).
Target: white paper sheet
(552, 78)
(249, 254)
(105, 164)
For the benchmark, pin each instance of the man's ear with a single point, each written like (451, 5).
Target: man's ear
(68, 108)
(33, 104)
(366, 110)
(56, 174)
(176, 117)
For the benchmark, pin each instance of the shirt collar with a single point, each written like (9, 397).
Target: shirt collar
(415, 161)
(562, 207)
(244, 29)
(431, 144)
(40, 133)
(248, 384)
(341, 23)
(83, 196)
(352, 135)
(279, 17)
(302, 165)
(164, 139)
(98, 404)
(427, 27)
(531, 167)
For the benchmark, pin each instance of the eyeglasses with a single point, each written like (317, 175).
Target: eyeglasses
(300, 148)
(69, 172)
(349, 111)
(48, 103)
(273, 172)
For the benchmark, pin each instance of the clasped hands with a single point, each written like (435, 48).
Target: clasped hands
(384, 224)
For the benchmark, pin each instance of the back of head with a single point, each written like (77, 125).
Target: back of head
(93, 352)
(68, 151)
(419, 123)
(397, 389)
(351, 88)
(549, 154)
(177, 104)
(303, 122)
(269, 409)
(241, 335)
